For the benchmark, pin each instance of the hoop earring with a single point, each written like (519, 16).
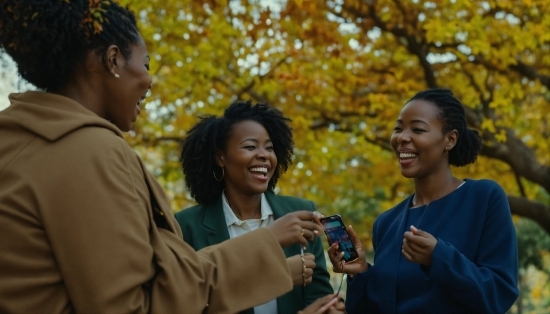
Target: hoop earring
(214, 173)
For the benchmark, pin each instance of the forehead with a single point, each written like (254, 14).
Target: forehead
(139, 49)
(248, 129)
(419, 109)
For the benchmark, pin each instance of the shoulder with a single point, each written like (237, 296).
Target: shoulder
(391, 213)
(484, 187)
(290, 203)
(190, 214)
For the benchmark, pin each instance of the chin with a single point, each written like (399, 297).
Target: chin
(125, 127)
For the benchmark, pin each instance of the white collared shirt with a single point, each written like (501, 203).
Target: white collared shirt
(237, 227)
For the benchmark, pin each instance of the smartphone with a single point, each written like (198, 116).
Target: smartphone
(337, 233)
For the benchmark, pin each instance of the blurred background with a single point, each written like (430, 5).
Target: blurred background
(342, 70)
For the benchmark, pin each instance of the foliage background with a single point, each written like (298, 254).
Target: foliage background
(342, 70)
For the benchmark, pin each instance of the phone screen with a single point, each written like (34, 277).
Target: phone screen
(337, 233)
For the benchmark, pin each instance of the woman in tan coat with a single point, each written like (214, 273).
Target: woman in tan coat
(83, 226)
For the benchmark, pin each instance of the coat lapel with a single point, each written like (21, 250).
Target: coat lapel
(214, 223)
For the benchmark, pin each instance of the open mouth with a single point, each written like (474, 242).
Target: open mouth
(259, 171)
(407, 156)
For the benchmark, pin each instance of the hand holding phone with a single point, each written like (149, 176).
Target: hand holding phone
(337, 233)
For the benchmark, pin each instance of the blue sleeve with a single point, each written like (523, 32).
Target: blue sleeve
(356, 292)
(488, 284)
(356, 295)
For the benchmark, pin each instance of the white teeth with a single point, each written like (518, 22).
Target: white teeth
(407, 155)
(259, 169)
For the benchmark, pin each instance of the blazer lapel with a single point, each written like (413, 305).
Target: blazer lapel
(214, 223)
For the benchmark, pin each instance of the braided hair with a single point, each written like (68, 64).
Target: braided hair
(48, 39)
(211, 134)
(451, 112)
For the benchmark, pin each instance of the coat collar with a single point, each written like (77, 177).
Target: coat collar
(214, 220)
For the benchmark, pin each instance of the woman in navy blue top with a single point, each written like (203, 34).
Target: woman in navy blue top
(451, 246)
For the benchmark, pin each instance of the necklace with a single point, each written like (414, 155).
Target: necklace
(414, 198)
(225, 198)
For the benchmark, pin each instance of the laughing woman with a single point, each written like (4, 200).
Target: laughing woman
(231, 166)
(451, 246)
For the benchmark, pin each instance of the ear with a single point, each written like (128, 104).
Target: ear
(113, 58)
(452, 138)
(220, 160)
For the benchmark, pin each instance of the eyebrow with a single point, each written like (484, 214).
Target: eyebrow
(413, 121)
(255, 140)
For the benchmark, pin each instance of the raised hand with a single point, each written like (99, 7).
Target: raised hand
(418, 246)
(336, 257)
(296, 227)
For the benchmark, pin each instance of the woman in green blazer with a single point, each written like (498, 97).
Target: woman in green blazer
(231, 166)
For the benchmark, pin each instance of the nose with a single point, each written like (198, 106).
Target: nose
(404, 136)
(262, 154)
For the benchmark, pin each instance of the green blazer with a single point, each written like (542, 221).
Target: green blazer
(204, 225)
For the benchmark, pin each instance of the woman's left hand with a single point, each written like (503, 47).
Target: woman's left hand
(297, 270)
(418, 246)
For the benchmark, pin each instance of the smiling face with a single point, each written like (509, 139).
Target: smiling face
(248, 159)
(129, 89)
(419, 142)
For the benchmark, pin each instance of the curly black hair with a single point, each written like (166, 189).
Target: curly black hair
(48, 39)
(210, 135)
(451, 112)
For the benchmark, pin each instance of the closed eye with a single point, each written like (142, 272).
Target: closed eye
(250, 147)
(269, 148)
(147, 67)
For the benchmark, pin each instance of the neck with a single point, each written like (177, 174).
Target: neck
(432, 188)
(244, 206)
(82, 93)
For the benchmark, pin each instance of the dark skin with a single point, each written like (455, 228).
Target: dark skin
(112, 89)
(419, 131)
(248, 149)
(421, 147)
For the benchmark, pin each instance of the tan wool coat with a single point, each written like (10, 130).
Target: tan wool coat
(84, 227)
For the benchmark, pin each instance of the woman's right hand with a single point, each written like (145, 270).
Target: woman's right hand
(351, 268)
(329, 304)
(300, 226)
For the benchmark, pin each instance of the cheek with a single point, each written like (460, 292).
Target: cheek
(393, 140)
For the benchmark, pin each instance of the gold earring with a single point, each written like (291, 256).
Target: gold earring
(214, 173)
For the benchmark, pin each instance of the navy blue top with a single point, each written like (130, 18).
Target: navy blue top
(474, 263)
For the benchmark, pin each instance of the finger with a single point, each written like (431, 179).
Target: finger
(308, 235)
(332, 249)
(313, 226)
(305, 215)
(327, 305)
(354, 238)
(420, 233)
(309, 274)
(407, 255)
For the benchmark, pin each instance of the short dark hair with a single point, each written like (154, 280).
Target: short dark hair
(48, 39)
(210, 135)
(451, 112)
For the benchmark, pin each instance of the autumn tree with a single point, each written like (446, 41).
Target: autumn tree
(342, 70)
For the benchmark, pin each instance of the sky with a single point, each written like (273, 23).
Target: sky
(9, 80)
